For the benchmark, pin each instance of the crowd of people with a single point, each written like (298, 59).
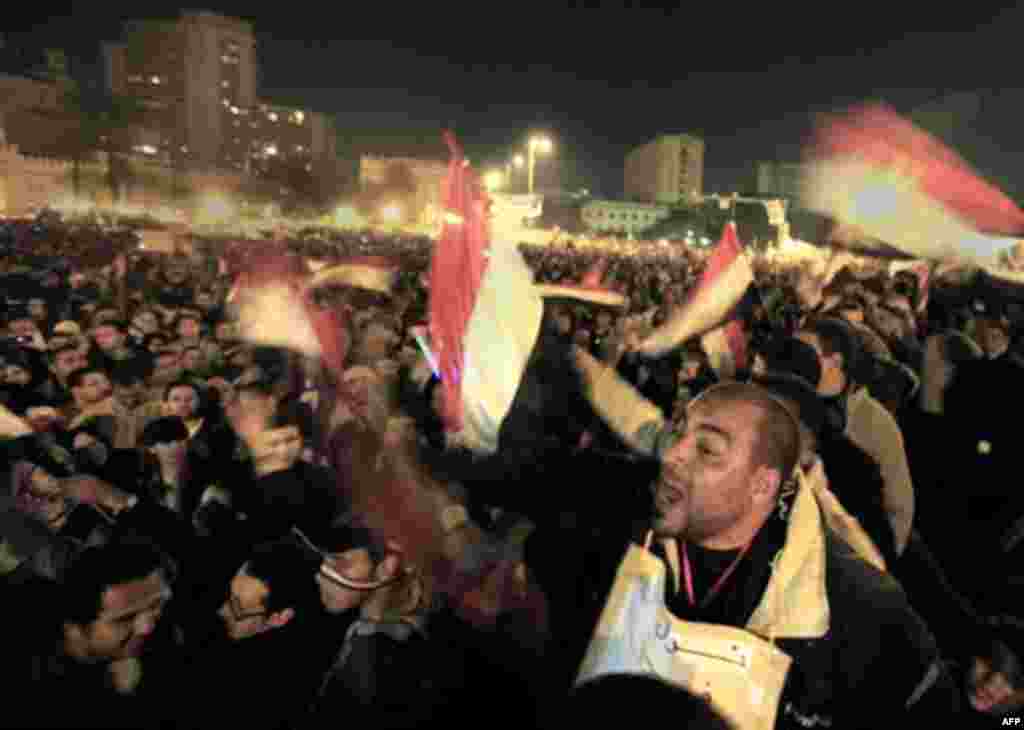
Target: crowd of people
(198, 530)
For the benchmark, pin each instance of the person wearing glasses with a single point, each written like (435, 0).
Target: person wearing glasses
(255, 667)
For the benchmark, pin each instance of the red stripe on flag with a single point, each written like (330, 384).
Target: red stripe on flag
(456, 272)
(727, 251)
(878, 135)
(736, 336)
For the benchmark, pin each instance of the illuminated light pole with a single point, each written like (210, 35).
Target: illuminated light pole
(516, 162)
(536, 145)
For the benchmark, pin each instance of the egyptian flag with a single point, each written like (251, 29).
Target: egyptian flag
(590, 290)
(273, 297)
(485, 314)
(712, 311)
(871, 170)
(370, 273)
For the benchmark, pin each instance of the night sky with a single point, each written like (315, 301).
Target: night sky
(602, 81)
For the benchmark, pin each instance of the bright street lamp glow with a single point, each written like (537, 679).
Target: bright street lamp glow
(518, 161)
(542, 145)
(270, 150)
(493, 180)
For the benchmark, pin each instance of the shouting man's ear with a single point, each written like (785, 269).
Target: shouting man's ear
(766, 485)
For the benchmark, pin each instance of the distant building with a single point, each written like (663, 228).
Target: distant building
(197, 76)
(667, 170)
(617, 216)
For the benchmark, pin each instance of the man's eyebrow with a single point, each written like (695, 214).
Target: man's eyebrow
(716, 430)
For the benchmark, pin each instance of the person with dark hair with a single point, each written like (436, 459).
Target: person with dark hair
(993, 675)
(285, 491)
(729, 528)
(101, 653)
(211, 442)
(274, 585)
(255, 668)
(855, 413)
(165, 442)
(115, 353)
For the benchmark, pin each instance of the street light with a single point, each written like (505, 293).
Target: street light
(515, 162)
(493, 180)
(536, 145)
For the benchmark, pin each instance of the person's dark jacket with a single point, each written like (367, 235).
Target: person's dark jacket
(304, 496)
(264, 682)
(876, 652)
(46, 689)
(856, 480)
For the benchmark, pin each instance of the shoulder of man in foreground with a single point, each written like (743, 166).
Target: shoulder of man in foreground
(889, 660)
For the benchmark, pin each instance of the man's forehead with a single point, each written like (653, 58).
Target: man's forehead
(128, 597)
(727, 418)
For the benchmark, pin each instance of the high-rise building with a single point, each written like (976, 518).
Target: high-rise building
(197, 76)
(667, 170)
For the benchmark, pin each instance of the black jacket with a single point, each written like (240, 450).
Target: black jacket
(861, 673)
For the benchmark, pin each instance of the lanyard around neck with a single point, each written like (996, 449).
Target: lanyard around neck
(718, 585)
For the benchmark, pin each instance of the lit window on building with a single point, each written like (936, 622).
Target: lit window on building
(299, 149)
(309, 168)
(298, 117)
(234, 110)
(225, 84)
(272, 116)
(155, 80)
(226, 102)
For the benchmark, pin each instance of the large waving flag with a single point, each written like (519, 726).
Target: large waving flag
(874, 171)
(485, 314)
(457, 268)
(710, 310)
(276, 309)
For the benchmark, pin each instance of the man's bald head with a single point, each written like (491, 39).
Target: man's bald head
(778, 433)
